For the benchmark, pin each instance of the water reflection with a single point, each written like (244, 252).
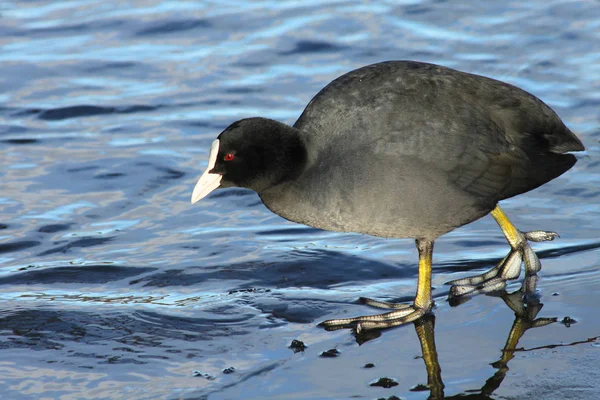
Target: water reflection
(103, 264)
(526, 305)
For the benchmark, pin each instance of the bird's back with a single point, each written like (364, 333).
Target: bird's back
(491, 139)
(406, 149)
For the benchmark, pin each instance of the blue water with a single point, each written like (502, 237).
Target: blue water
(113, 287)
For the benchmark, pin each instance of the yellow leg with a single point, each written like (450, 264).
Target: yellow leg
(512, 234)
(423, 298)
(403, 313)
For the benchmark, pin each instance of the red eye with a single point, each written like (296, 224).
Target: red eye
(228, 157)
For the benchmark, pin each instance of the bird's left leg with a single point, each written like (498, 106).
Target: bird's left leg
(403, 313)
(510, 267)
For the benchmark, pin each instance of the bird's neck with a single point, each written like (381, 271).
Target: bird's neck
(286, 160)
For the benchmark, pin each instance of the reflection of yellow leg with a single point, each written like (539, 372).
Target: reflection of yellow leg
(519, 327)
(425, 331)
(512, 234)
(423, 298)
(525, 318)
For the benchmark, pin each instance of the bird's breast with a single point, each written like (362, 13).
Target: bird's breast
(402, 204)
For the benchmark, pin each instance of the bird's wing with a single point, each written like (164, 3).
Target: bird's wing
(488, 175)
(502, 174)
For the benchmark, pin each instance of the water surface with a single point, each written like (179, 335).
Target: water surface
(113, 287)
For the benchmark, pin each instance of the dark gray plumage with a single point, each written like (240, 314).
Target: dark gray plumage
(407, 150)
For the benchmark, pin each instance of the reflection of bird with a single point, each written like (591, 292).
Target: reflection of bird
(406, 150)
(525, 319)
(526, 307)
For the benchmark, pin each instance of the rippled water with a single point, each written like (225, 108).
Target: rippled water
(112, 286)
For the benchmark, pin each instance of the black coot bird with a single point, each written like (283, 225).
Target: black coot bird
(402, 149)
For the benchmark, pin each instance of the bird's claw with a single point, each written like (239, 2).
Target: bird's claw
(403, 314)
(508, 269)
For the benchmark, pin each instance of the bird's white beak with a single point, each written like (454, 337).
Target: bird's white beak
(208, 182)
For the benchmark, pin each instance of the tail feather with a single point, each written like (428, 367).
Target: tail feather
(547, 167)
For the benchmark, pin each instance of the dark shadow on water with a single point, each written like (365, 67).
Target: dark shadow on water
(135, 178)
(55, 114)
(167, 27)
(244, 90)
(311, 46)
(53, 228)
(318, 269)
(83, 242)
(16, 246)
(74, 274)
(67, 28)
(132, 334)
(416, 9)
(293, 232)
(111, 175)
(77, 111)
(19, 141)
(116, 65)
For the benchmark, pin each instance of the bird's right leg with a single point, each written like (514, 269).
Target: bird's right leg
(402, 313)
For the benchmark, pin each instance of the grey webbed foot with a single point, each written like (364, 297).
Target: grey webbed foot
(384, 304)
(403, 314)
(508, 269)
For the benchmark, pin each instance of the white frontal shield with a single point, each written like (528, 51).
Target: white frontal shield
(208, 182)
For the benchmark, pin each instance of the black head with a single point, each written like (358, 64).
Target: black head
(254, 153)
